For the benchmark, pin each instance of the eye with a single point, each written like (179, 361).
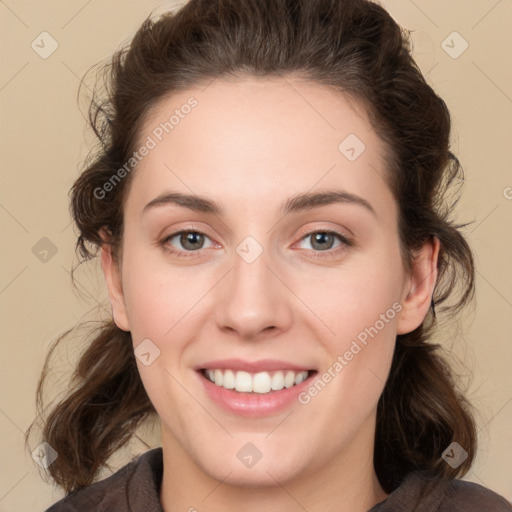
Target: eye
(323, 242)
(190, 241)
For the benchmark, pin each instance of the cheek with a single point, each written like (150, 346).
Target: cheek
(159, 298)
(354, 297)
(360, 307)
(148, 306)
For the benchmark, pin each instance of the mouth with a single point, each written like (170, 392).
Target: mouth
(261, 382)
(254, 390)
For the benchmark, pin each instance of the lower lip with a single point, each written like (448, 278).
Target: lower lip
(253, 404)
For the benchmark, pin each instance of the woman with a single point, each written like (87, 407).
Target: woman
(239, 136)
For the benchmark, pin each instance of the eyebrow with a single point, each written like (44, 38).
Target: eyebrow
(299, 202)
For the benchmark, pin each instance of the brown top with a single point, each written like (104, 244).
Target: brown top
(136, 488)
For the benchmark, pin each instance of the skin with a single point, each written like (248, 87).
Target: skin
(250, 144)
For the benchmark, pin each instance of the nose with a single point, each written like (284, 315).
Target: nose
(254, 301)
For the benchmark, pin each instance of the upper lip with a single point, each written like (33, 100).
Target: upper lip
(261, 365)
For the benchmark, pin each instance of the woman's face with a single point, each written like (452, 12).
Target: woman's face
(257, 292)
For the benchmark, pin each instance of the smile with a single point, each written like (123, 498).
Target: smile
(261, 382)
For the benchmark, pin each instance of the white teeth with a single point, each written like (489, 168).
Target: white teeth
(261, 382)
(219, 377)
(299, 378)
(289, 379)
(243, 381)
(229, 379)
(277, 381)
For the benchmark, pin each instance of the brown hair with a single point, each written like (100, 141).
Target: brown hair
(356, 47)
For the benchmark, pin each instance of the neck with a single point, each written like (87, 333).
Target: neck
(348, 482)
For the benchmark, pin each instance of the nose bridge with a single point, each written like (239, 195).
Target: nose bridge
(254, 299)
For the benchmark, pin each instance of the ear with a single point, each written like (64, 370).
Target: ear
(112, 274)
(419, 287)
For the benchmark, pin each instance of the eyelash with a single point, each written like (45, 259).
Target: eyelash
(317, 254)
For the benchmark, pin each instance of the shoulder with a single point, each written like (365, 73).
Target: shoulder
(470, 496)
(115, 493)
(422, 491)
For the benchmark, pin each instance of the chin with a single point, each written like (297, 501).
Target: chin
(259, 476)
(251, 461)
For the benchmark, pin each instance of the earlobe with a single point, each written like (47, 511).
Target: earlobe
(112, 274)
(420, 287)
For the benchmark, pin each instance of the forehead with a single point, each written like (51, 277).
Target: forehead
(258, 138)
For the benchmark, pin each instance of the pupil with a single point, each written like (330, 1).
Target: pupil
(190, 238)
(321, 237)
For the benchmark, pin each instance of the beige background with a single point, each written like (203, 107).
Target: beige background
(43, 143)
